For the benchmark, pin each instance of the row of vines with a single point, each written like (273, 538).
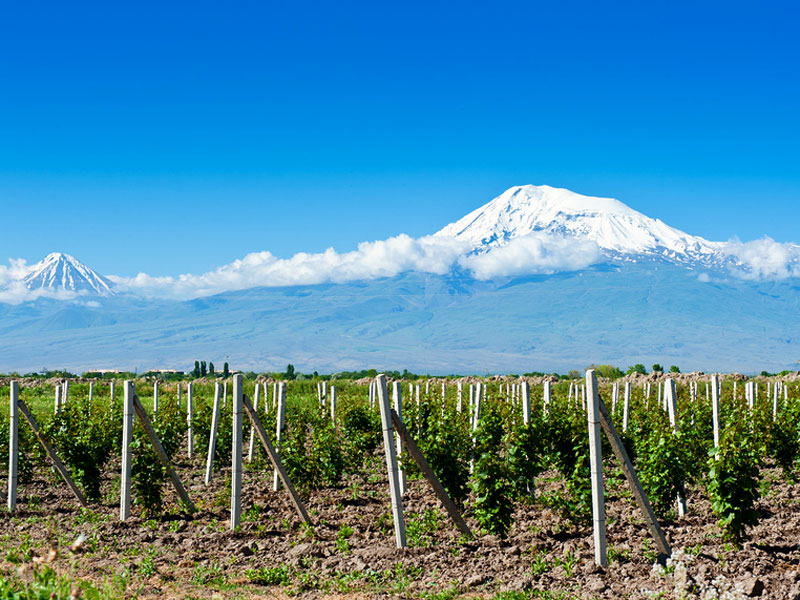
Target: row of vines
(488, 471)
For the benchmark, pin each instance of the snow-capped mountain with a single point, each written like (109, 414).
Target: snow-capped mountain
(620, 231)
(59, 271)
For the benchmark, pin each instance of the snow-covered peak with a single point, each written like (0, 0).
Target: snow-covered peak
(616, 228)
(59, 271)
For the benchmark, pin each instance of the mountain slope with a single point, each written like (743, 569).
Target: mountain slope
(620, 231)
(634, 313)
(58, 271)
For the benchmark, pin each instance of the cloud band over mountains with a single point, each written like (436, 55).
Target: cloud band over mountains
(535, 253)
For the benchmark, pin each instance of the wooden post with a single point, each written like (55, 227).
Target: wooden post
(251, 445)
(127, 438)
(391, 462)
(397, 396)
(51, 453)
(189, 409)
(13, 445)
(162, 455)
(476, 413)
(430, 476)
(333, 405)
(546, 396)
(626, 407)
(633, 482)
(236, 454)
(775, 396)
(276, 461)
(212, 442)
(155, 398)
(715, 406)
(596, 463)
(670, 397)
(526, 403)
(279, 418)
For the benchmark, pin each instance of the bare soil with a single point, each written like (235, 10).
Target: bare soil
(350, 551)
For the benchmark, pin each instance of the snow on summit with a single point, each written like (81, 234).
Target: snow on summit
(59, 271)
(616, 228)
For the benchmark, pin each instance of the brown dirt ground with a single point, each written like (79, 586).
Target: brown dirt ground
(181, 555)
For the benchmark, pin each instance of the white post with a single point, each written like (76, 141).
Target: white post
(155, 398)
(526, 403)
(715, 406)
(57, 403)
(333, 405)
(189, 408)
(127, 437)
(91, 391)
(212, 442)
(224, 395)
(13, 445)
(546, 398)
(670, 396)
(179, 395)
(443, 391)
(459, 396)
(596, 463)
(279, 418)
(251, 447)
(417, 394)
(111, 390)
(476, 414)
(775, 396)
(324, 392)
(397, 394)
(734, 390)
(65, 393)
(236, 458)
(276, 391)
(391, 462)
(626, 406)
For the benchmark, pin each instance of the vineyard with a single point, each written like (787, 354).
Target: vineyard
(151, 500)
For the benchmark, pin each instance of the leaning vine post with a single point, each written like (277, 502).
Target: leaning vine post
(596, 463)
(391, 461)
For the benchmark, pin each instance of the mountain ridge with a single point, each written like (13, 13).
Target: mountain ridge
(60, 271)
(620, 231)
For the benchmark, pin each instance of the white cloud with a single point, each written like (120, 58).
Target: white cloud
(763, 259)
(535, 253)
(371, 260)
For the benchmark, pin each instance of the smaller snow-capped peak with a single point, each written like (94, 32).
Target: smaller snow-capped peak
(615, 227)
(59, 271)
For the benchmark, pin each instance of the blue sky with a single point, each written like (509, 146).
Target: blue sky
(177, 137)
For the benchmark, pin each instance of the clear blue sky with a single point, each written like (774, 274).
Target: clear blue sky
(172, 137)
